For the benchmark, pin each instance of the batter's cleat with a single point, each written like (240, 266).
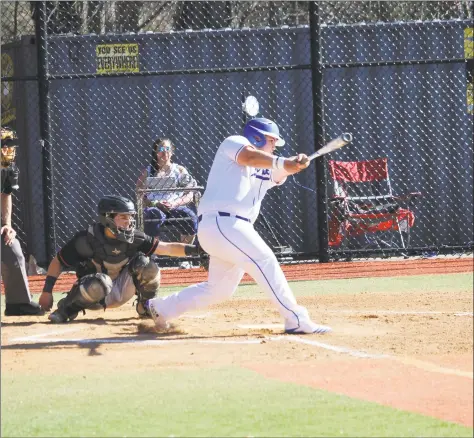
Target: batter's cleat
(308, 327)
(159, 320)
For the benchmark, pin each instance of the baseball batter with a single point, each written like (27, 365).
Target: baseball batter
(243, 170)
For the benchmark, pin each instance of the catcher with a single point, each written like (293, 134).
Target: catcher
(17, 293)
(113, 262)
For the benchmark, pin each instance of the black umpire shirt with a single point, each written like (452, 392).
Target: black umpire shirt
(9, 179)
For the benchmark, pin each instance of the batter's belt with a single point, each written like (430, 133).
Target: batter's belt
(223, 213)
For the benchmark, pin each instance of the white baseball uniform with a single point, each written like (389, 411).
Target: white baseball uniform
(227, 211)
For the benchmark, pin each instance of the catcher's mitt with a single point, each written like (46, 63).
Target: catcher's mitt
(204, 260)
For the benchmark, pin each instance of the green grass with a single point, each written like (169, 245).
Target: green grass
(404, 284)
(461, 282)
(409, 284)
(217, 402)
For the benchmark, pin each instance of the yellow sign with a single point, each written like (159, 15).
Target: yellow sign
(117, 58)
(8, 112)
(469, 43)
(469, 54)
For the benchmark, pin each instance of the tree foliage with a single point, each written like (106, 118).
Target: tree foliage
(101, 17)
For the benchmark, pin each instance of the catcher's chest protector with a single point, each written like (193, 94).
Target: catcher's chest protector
(111, 255)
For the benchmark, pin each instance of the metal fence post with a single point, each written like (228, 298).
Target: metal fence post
(470, 63)
(317, 83)
(41, 29)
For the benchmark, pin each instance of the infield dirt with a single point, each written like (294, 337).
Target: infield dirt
(412, 352)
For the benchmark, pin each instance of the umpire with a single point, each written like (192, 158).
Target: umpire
(17, 293)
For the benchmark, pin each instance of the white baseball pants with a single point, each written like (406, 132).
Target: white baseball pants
(234, 248)
(123, 289)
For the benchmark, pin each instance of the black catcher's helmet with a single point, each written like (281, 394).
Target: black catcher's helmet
(111, 205)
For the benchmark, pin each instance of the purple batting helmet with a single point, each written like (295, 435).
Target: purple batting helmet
(256, 129)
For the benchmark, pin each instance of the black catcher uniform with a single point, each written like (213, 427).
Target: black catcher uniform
(111, 267)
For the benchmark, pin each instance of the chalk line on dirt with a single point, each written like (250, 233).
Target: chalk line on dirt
(48, 337)
(400, 312)
(297, 339)
(47, 334)
(429, 366)
(330, 347)
(139, 341)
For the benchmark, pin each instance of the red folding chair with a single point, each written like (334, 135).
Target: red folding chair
(363, 204)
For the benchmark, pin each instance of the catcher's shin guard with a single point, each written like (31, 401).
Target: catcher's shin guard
(146, 276)
(89, 291)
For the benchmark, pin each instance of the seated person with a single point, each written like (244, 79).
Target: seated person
(163, 205)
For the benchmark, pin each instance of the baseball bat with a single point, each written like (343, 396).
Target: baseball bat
(334, 144)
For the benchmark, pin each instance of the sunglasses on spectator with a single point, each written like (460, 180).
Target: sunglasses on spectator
(164, 148)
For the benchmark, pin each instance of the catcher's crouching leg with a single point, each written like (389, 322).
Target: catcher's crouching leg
(146, 276)
(89, 291)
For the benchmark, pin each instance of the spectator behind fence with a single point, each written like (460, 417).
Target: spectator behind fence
(17, 293)
(174, 204)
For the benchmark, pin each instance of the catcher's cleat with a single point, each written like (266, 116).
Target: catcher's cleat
(307, 327)
(62, 314)
(159, 320)
(57, 317)
(142, 310)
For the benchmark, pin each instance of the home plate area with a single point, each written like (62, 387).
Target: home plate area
(362, 329)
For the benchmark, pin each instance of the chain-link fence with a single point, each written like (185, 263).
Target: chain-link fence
(19, 110)
(113, 77)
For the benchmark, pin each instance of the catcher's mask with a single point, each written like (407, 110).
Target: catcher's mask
(109, 207)
(9, 145)
(255, 131)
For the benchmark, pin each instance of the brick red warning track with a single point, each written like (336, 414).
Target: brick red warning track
(307, 271)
